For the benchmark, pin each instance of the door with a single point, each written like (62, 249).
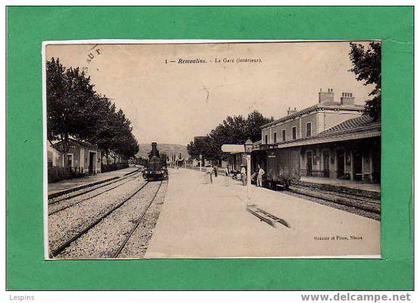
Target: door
(92, 162)
(376, 163)
(69, 160)
(357, 166)
(309, 160)
(326, 160)
(340, 163)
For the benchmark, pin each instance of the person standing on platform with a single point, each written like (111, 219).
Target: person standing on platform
(215, 170)
(210, 173)
(243, 175)
(260, 175)
(226, 170)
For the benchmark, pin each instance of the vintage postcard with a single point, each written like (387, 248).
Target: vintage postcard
(212, 149)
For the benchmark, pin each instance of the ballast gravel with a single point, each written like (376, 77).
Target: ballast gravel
(105, 238)
(64, 225)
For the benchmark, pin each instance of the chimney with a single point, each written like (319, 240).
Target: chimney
(347, 99)
(291, 111)
(327, 96)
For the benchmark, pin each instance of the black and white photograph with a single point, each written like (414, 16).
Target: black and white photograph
(212, 149)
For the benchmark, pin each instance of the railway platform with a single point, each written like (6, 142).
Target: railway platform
(77, 183)
(200, 219)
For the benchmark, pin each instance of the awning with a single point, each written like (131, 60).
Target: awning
(233, 148)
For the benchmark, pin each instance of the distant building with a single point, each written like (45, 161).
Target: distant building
(82, 157)
(54, 157)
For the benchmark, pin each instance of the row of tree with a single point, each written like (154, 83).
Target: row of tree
(76, 110)
(233, 130)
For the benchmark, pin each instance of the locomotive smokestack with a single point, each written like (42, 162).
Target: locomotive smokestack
(154, 151)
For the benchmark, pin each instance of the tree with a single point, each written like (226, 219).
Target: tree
(105, 130)
(254, 122)
(70, 104)
(367, 67)
(114, 131)
(233, 130)
(75, 109)
(198, 147)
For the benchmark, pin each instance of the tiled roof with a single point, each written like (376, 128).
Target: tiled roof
(352, 129)
(76, 142)
(351, 125)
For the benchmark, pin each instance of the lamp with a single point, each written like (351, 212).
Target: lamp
(248, 150)
(248, 146)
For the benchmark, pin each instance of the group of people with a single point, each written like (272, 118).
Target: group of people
(259, 174)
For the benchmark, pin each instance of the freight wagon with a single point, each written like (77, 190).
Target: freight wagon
(282, 166)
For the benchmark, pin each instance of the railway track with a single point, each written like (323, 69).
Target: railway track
(138, 221)
(57, 250)
(54, 208)
(67, 196)
(363, 206)
(94, 229)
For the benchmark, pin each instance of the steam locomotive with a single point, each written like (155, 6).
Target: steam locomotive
(156, 168)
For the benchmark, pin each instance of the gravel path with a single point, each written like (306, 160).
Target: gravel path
(65, 224)
(103, 240)
(138, 243)
(92, 193)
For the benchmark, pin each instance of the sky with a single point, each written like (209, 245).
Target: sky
(171, 102)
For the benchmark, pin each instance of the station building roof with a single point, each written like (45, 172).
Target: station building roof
(357, 128)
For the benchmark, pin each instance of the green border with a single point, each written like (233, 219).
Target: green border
(29, 26)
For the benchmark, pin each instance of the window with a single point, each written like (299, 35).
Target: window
(275, 137)
(308, 129)
(266, 139)
(283, 134)
(294, 132)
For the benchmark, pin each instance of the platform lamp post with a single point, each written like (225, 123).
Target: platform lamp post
(248, 150)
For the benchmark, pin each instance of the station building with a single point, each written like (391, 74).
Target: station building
(327, 140)
(312, 120)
